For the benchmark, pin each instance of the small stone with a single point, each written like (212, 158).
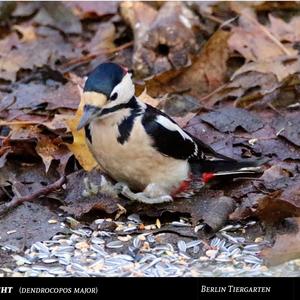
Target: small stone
(158, 224)
(211, 253)
(125, 238)
(11, 232)
(259, 240)
(203, 258)
(142, 237)
(264, 269)
(146, 247)
(72, 222)
(252, 141)
(52, 221)
(83, 246)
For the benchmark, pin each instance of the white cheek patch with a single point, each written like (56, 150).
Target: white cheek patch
(125, 89)
(172, 126)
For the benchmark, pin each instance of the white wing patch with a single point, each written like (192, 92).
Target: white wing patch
(165, 122)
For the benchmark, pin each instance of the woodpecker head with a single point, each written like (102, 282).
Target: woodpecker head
(107, 86)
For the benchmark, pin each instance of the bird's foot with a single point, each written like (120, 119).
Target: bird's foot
(90, 189)
(105, 187)
(151, 195)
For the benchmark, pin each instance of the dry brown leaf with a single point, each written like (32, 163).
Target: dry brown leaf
(58, 15)
(16, 55)
(164, 40)
(93, 9)
(207, 72)
(148, 99)
(78, 205)
(286, 247)
(246, 89)
(254, 41)
(103, 38)
(79, 147)
(50, 150)
(281, 66)
(37, 96)
(285, 31)
(28, 32)
(139, 16)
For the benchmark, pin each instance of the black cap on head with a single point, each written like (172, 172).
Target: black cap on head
(104, 78)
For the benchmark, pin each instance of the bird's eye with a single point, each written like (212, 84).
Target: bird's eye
(114, 96)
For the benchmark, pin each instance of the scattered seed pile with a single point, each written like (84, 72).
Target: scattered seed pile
(95, 252)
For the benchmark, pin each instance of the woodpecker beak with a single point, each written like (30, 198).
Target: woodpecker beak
(89, 113)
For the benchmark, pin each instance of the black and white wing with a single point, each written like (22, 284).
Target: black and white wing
(171, 140)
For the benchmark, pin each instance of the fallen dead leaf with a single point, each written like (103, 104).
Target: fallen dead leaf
(286, 248)
(92, 9)
(58, 15)
(284, 31)
(228, 119)
(28, 32)
(16, 55)
(254, 41)
(38, 96)
(281, 66)
(210, 207)
(246, 89)
(30, 220)
(103, 38)
(289, 128)
(78, 205)
(79, 147)
(49, 151)
(207, 72)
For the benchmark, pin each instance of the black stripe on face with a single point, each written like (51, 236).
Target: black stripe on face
(87, 131)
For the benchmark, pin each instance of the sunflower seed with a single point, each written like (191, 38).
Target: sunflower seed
(253, 259)
(198, 227)
(99, 221)
(20, 260)
(11, 248)
(181, 246)
(150, 238)
(251, 223)
(223, 259)
(98, 249)
(134, 218)
(193, 244)
(252, 247)
(215, 242)
(49, 260)
(39, 247)
(129, 229)
(211, 253)
(228, 227)
(23, 269)
(115, 244)
(229, 237)
(180, 224)
(196, 249)
(155, 261)
(137, 242)
(235, 251)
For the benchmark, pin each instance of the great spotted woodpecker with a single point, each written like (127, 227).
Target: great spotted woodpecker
(140, 146)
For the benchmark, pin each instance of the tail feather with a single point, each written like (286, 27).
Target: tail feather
(224, 167)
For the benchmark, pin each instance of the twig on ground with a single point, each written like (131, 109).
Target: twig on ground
(4, 208)
(89, 57)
